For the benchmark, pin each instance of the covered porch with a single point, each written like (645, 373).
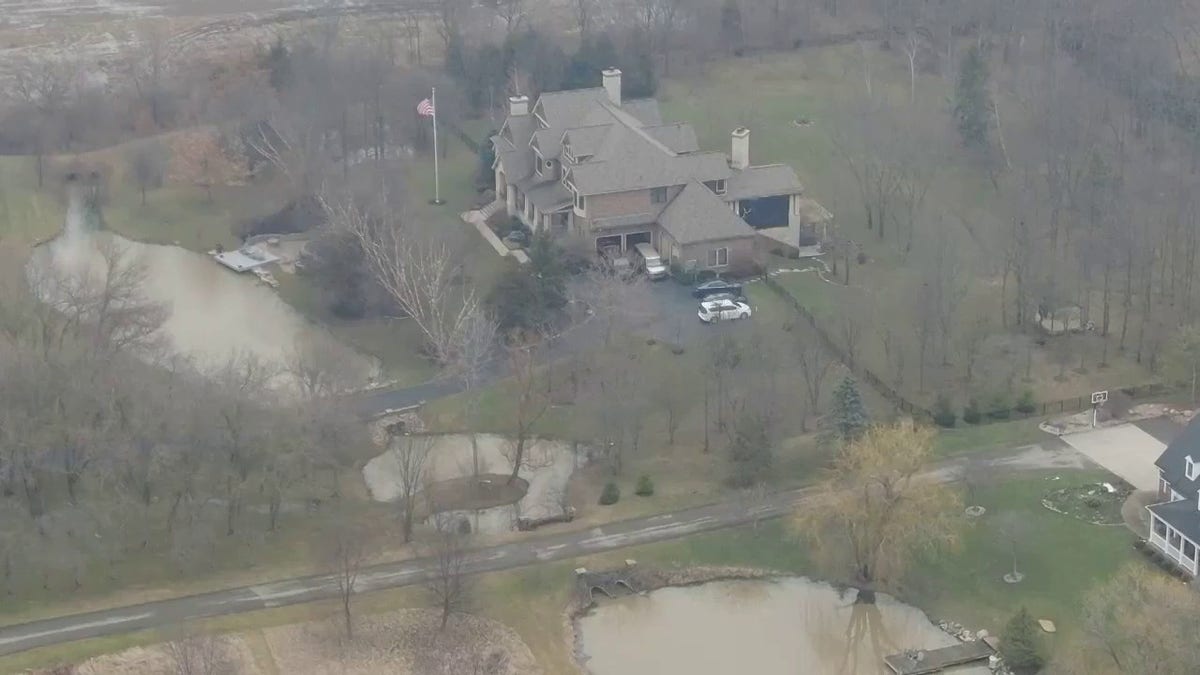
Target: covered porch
(1168, 535)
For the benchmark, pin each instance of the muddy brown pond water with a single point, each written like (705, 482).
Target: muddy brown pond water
(780, 627)
(214, 313)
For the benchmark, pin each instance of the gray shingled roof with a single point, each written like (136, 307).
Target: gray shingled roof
(1181, 515)
(517, 164)
(564, 109)
(697, 215)
(763, 181)
(548, 142)
(679, 137)
(549, 196)
(630, 160)
(587, 141)
(1172, 461)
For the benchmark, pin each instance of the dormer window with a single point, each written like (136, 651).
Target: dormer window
(537, 164)
(717, 186)
(1190, 468)
(567, 154)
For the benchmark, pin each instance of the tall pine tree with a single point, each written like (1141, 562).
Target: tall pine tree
(972, 104)
(849, 414)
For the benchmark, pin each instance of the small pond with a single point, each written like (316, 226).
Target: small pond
(780, 627)
(214, 314)
(546, 471)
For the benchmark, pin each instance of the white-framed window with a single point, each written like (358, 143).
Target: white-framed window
(1190, 468)
(718, 186)
(566, 153)
(658, 195)
(795, 204)
(718, 257)
(580, 203)
(537, 162)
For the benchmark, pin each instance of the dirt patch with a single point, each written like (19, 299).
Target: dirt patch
(1095, 503)
(405, 641)
(468, 494)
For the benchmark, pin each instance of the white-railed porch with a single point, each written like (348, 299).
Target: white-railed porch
(1171, 543)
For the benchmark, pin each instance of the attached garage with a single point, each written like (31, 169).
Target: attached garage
(607, 242)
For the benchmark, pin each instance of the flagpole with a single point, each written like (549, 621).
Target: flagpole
(437, 180)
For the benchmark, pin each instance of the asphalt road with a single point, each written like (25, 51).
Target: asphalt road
(607, 537)
(410, 572)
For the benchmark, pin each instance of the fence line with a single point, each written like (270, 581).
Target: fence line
(864, 373)
(988, 415)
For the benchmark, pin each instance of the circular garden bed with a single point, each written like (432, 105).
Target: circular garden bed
(1096, 503)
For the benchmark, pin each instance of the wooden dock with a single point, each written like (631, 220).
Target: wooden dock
(924, 661)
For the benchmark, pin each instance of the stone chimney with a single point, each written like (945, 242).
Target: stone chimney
(518, 106)
(612, 84)
(739, 156)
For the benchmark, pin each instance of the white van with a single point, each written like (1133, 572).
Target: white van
(650, 261)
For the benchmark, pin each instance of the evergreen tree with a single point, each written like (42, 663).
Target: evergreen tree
(849, 414)
(594, 55)
(750, 452)
(972, 104)
(485, 176)
(1021, 645)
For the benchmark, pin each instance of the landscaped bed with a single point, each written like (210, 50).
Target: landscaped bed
(1096, 503)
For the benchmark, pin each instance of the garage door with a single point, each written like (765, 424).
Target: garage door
(605, 242)
(635, 238)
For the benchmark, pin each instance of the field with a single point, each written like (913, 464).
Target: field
(823, 88)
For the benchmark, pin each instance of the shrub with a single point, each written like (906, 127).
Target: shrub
(971, 414)
(611, 494)
(1000, 408)
(645, 486)
(1026, 404)
(943, 414)
(1021, 645)
(1092, 502)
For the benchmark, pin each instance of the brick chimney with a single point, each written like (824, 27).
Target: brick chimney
(612, 84)
(739, 155)
(518, 106)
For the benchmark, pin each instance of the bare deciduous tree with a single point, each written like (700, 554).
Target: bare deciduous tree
(148, 165)
(449, 585)
(411, 454)
(532, 399)
(199, 654)
(345, 555)
(420, 272)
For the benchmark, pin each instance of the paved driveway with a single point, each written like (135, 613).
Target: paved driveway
(1124, 450)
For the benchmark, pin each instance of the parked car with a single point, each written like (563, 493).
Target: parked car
(716, 286)
(723, 310)
(716, 297)
(649, 261)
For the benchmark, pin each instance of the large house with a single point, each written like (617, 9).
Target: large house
(589, 163)
(1175, 522)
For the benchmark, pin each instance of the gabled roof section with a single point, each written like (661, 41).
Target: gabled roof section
(697, 215)
(627, 162)
(565, 109)
(1173, 460)
(586, 141)
(680, 138)
(770, 180)
(547, 142)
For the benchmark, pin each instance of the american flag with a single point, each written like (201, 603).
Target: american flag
(425, 108)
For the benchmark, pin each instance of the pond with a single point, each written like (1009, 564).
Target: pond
(780, 627)
(214, 314)
(545, 472)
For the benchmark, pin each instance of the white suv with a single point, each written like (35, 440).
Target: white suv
(723, 310)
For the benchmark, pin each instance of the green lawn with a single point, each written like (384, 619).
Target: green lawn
(968, 439)
(185, 215)
(27, 215)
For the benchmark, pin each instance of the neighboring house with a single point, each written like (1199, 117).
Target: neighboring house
(588, 163)
(1175, 522)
